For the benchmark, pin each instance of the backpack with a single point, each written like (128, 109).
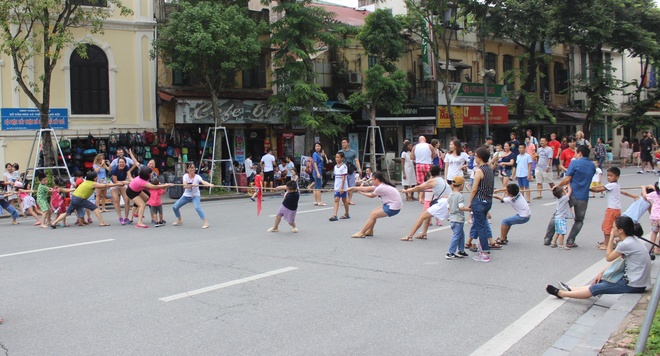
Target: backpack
(102, 146)
(123, 139)
(129, 139)
(91, 142)
(147, 152)
(170, 151)
(155, 150)
(113, 140)
(56, 202)
(148, 137)
(137, 139)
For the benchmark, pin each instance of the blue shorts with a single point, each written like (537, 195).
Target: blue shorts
(523, 182)
(389, 212)
(619, 287)
(560, 226)
(340, 195)
(350, 178)
(515, 220)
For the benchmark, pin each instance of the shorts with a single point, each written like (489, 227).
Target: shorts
(390, 212)
(635, 154)
(340, 195)
(350, 178)
(515, 220)
(131, 194)
(608, 220)
(560, 226)
(421, 170)
(610, 156)
(544, 177)
(439, 210)
(655, 225)
(523, 182)
(269, 176)
(594, 184)
(619, 287)
(287, 214)
(646, 157)
(77, 202)
(155, 210)
(555, 161)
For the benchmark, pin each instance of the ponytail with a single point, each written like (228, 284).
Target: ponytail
(381, 177)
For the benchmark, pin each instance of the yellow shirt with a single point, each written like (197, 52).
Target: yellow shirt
(85, 190)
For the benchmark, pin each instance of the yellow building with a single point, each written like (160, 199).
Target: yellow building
(112, 91)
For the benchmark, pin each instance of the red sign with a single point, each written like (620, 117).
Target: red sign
(474, 115)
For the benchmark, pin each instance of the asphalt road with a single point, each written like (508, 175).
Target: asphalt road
(120, 290)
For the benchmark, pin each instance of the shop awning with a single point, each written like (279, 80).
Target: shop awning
(165, 97)
(574, 114)
(406, 118)
(443, 64)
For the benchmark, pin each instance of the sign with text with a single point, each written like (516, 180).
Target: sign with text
(462, 94)
(30, 119)
(444, 122)
(194, 111)
(474, 115)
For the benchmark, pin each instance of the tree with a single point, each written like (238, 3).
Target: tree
(526, 23)
(39, 30)
(423, 20)
(302, 32)
(385, 85)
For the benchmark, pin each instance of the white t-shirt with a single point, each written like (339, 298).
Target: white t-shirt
(563, 208)
(613, 192)
(454, 164)
(638, 262)
(289, 166)
(248, 167)
(191, 191)
(519, 205)
(596, 177)
(522, 165)
(340, 172)
(11, 178)
(268, 160)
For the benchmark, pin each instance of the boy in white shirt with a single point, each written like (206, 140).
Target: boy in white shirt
(519, 205)
(341, 186)
(613, 192)
(595, 181)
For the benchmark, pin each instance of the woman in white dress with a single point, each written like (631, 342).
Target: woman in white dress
(408, 177)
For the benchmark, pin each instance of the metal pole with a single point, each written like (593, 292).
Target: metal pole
(648, 318)
(485, 90)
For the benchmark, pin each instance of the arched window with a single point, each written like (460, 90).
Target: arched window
(90, 93)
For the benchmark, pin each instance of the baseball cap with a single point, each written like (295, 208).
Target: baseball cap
(458, 180)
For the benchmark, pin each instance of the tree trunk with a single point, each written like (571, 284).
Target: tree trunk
(372, 137)
(530, 81)
(218, 169)
(597, 95)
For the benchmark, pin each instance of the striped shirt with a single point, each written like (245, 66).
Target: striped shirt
(486, 184)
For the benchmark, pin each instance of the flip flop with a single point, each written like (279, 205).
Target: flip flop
(407, 238)
(141, 226)
(104, 225)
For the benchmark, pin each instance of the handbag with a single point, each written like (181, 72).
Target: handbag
(615, 271)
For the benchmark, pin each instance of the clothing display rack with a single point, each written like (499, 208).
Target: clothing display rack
(57, 152)
(371, 129)
(212, 161)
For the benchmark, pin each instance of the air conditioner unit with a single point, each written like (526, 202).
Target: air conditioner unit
(579, 104)
(354, 78)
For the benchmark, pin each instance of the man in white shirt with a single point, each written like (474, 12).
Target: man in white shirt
(544, 166)
(249, 170)
(268, 164)
(422, 154)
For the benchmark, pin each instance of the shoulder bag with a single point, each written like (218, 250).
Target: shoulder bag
(615, 271)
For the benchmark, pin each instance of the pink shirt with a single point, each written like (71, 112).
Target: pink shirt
(154, 197)
(137, 185)
(654, 199)
(390, 196)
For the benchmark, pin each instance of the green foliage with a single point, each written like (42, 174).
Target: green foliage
(381, 36)
(653, 341)
(382, 89)
(210, 40)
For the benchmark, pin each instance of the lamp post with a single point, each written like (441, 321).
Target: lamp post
(487, 74)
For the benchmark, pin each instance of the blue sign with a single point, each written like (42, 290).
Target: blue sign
(29, 119)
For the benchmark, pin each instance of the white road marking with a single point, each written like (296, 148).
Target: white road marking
(56, 248)
(439, 229)
(226, 284)
(305, 211)
(548, 204)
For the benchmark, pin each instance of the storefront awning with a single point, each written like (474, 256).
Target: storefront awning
(574, 114)
(165, 97)
(406, 118)
(443, 64)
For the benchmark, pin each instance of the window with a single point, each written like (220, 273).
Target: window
(544, 78)
(561, 78)
(323, 74)
(583, 65)
(90, 93)
(507, 66)
(183, 79)
(608, 64)
(255, 78)
(490, 62)
(373, 60)
(97, 3)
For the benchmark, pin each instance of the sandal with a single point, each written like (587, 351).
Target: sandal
(322, 204)
(407, 238)
(345, 216)
(358, 236)
(495, 245)
(468, 246)
(501, 242)
(421, 237)
(553, 245)
(104, 225)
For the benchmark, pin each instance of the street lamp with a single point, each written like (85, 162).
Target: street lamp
(487, 73)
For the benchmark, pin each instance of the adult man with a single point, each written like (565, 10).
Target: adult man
(556, 151)
(249, 170)
(422, 154)
(532, 139)
(268, 164)
(514, 143)
(353, 164)
(567, 155)
(646, 151)
(544, 166)
(579, 177)
(120, 154)
(489, 144)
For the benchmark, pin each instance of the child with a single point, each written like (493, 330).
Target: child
(520, 206)
(595, 181)
(654, 199)
(341, 185)
(155, 204)
(43, 199)
(289, 206)
(523, 171)
(258, 182)
(497, 159)
(561, 213)
(10, 209)
(456, 203)
(470, 170)
(58, 198)
(608, 151)
(656, 156)
(294, 175)
(29, 204)
(613, 192)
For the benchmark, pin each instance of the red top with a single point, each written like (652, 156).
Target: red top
(258, 181)
(555, 147)
(566, 157)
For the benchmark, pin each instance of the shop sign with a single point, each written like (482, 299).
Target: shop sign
(464, 94)
(239, 145)
(408, 111)
(30, 119)
(444, 122)
(474, 115)
(231, 112)
(426, 130)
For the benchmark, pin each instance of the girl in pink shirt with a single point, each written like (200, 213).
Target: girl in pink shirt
(136, 191)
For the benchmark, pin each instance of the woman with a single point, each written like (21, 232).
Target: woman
(138, 193)
(318, 162)
(11, 176)
(408, 175)
(439, 210)
(121, 173)
(439, 155)
(191, 183)
(580, 140)
(624, 152)
(637, 262)
(455, 161)
(506, 163)
(101, 167)
(387, 193)
(481, 201)
(636, 158)
(599, 152)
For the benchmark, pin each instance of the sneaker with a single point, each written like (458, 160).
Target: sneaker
(89, 220)
(564, 286)
(482, 257)
(450, 256)
(295, 229)
(122, 221)
(640, 172)
(157, 224)
(461, 254)
(552, 290)
(251, 198)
